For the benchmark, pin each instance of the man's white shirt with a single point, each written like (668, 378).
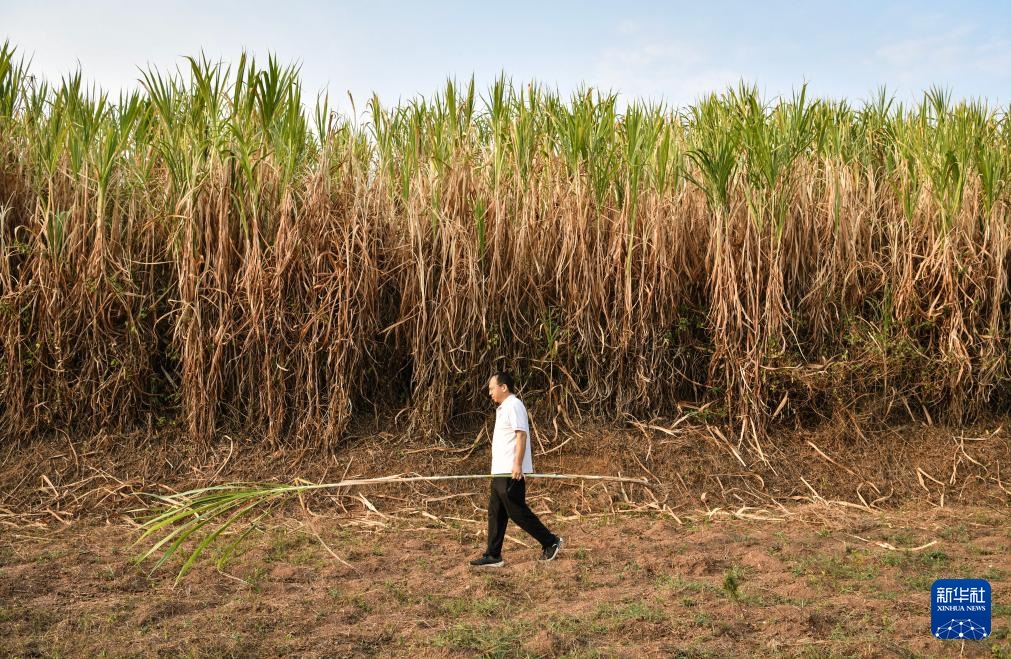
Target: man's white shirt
(510, 416)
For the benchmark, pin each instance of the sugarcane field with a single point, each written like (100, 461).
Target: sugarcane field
(423, 330)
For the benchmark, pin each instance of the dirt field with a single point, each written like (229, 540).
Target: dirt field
(795, 576)
(626, 585)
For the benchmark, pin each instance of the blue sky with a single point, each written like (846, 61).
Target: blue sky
(673, 51)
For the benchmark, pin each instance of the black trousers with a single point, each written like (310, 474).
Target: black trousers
(508, 501)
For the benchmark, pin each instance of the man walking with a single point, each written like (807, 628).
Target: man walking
(510, 459)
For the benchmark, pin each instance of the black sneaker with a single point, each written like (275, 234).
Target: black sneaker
(488, 561)
(552, 550)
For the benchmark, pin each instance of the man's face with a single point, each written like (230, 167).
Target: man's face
(497, 392)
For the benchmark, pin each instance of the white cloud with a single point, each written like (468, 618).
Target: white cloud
(676, 71)
(993, 57)
(944, 57)
(629, 26)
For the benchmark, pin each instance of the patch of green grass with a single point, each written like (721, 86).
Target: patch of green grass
(400, 592)
(576, 626)
(999, 634)
(920, 582)
(990, 551)
(486, 606)
(993, 574)
(485, 640)
(887, 595)
(283, 545)
(839, 632)
(857, 565)
(769, 599)
(732, 581)
(359, 602)
(916, 561)
(358, 607)
(584, 576)
(350, 537)
(632, 567)
(679, 584)
(610, 616)
(501, 584)
(640, 612)
(703, 619)
(902, 539)
(957, 533)
(255, 578)
(566, 625)
(896, 559)
(308, 555)
(50, 555)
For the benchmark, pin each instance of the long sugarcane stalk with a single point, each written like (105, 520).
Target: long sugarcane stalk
(183, 514)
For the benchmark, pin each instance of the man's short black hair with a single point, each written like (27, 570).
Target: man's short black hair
(504, 378)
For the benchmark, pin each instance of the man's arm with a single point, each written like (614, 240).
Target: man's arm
(521, 445)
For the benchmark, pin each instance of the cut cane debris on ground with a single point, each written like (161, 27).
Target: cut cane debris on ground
(803, 561)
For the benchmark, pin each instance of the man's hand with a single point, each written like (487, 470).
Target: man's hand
(521, 445)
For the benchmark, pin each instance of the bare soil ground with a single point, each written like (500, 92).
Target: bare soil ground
(796, 559)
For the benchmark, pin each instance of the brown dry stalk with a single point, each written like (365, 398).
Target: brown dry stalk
(211, 254)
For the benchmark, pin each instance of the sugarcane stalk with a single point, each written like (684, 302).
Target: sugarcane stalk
(182, 514)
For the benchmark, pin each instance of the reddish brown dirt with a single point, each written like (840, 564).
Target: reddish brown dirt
(626, 585)
(629, 583)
